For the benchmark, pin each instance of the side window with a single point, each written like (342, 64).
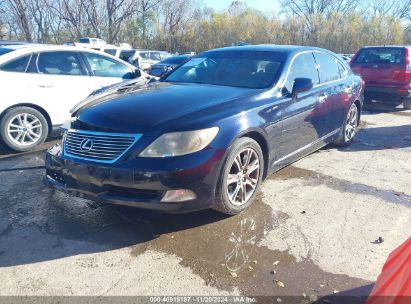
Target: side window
(145, 55)
(343, 70)
(303, 66)
(155, 56)
(329, 70)
(59, 63)
(106, 67)
(16, 65)
(125, 55)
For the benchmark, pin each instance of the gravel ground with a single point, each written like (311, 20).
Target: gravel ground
(311, 233)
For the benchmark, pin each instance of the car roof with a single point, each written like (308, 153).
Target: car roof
(387, 46)
(50, 47)
(178, 56)
(28, 48)
(270, 47)
(12, 42)
(40, 47)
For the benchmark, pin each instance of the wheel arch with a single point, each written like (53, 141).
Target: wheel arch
(262, 141)
(34, 106)
(359, 107)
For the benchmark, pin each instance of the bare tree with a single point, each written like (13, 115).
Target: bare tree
(174, 13)
(144, 7)
(72, 13)
(117, 11)
(19, 11)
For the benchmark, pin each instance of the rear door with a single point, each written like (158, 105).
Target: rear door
(15, 87)
(334, 89)
(59, 81)
(380, 66)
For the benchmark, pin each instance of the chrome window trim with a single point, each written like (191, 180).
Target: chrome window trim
(281, 86)
(135, 136)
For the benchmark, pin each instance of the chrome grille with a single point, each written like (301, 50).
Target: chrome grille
(98, 146)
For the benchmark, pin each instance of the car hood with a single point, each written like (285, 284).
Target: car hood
(142, 109)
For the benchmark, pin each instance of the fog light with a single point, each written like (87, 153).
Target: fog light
(180, 195)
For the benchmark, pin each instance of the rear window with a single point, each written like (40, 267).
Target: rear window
(381, 55)
(5, 51)
(112, 52)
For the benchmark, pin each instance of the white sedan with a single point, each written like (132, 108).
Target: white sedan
(41, 83)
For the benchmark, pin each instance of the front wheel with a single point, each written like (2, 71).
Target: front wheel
(240, 177)
(407, 104)
(349, 129)
(23, 128)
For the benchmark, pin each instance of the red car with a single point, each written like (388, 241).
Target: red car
(386, 71)
(394, 283)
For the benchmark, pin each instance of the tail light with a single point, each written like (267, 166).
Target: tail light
(401, 74)
(407, 60)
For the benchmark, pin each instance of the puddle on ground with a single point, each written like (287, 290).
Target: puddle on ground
(226, 253)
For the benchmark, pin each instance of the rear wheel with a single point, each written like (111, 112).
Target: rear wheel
(407, 104)
(240, 178)
(23, 128)
(349, 129)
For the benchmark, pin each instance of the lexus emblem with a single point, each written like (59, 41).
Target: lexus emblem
(86, 145)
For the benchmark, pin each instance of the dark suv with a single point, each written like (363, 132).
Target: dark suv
(386, 71)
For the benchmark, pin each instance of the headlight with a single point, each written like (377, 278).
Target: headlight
(180, 143)
(67, 123)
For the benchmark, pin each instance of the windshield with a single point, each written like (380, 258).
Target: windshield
(381, 55)
(5, 51)
(247, 69)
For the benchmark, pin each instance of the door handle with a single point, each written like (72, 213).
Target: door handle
(322, 98)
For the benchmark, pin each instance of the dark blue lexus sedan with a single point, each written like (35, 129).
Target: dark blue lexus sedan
(209, 132)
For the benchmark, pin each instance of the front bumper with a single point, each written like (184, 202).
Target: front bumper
(137, 182)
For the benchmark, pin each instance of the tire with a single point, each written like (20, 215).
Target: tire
(229, 194)
(407, 104)
(23, 128)
(349, 128)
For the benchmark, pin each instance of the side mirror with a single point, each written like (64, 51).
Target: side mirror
(301, 85)
(132, 75)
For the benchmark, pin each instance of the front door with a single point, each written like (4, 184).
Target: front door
(303, 117)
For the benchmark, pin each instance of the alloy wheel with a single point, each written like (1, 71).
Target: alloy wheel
(242, 180)
(351, 123)
(24, 129)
